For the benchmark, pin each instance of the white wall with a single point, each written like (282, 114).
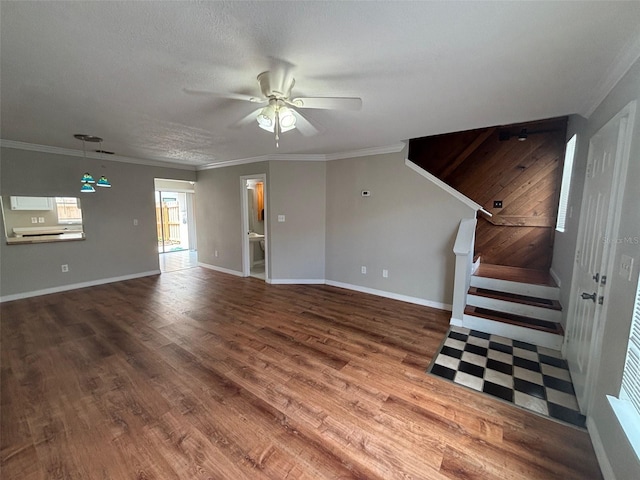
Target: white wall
(113, 248)
(407, 226)
(606, 432)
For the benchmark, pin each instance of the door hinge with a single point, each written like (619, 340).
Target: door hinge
(600, 300)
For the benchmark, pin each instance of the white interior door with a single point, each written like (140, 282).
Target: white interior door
(607, 160)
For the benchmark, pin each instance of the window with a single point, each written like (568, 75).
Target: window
(566, 183)
(68, 209)
(627, 406)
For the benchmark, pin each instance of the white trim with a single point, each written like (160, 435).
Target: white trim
(366, 152)
(519, 288)
(69, 152)
(447, 188)
(517, 332)
(296, 281)
(629, 421)
(244, 217)
(313, 157)
(75, 286)
(618, 68)
(394, 296)
(598, 447)
(221, 269)
(556, 277)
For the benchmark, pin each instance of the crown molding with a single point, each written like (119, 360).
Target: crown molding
(313, 157)
(618, 68)
(365, 152)
(94, 155)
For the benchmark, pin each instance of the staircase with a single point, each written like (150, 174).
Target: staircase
(517, 303)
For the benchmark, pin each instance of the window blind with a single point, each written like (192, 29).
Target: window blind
(631, 376)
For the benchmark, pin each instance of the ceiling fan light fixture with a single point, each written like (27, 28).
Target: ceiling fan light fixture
(266, 118)
(287, 119)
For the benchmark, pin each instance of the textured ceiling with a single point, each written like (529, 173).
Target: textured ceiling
(119, 69)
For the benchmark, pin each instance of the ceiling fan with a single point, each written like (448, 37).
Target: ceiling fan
(278, 111)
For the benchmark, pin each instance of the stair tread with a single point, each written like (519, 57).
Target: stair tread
(515, 274)
(516, 298)
(528, 322)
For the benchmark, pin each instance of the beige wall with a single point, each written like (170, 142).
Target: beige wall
(114, 247)
(407, 226)
(219, 214)
(294, 189)
(604, 426)
(297, 190)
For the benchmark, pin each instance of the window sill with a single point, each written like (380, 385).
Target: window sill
(629, 421)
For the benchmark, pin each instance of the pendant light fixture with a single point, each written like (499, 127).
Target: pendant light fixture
(87, 180)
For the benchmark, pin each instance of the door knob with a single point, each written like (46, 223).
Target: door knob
(587, 296)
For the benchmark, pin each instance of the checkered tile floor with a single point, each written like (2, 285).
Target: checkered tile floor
(532, 377)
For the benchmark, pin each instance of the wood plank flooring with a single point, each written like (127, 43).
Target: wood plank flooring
(196, 374)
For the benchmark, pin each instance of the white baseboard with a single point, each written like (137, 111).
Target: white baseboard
(221, 269)
(455, 321)
(394, 296)
(555, 277)
(598, 447)
(296, 281)
(75, 286)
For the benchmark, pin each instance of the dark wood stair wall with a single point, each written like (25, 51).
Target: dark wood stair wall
(524, 175)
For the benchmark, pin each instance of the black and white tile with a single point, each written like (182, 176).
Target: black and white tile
(532, 377)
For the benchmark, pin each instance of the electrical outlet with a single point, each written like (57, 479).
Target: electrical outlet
(34, 219)
(65, 268)
(366, 193)
(281, 218)
(385, 273)
(363, 270)
(497, 204)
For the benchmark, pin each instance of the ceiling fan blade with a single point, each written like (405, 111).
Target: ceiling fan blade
(232, 96)
(247, 119)
(304, 125)
(329, 103)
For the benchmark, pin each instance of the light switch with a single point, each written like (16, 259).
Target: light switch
(281, 218)
(626, 267)
(40, 219)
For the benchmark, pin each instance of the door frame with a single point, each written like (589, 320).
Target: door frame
(621, 162)
(244, 207)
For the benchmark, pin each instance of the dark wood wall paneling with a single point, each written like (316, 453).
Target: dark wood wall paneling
(486, 166)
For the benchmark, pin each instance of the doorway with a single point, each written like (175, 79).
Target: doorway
(607, 162)
(253, 192)
(175, 224)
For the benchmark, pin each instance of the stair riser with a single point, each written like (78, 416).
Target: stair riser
(515, 308)
(516, 332)
(527, 289)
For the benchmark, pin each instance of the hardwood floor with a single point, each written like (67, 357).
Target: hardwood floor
(196, 374)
